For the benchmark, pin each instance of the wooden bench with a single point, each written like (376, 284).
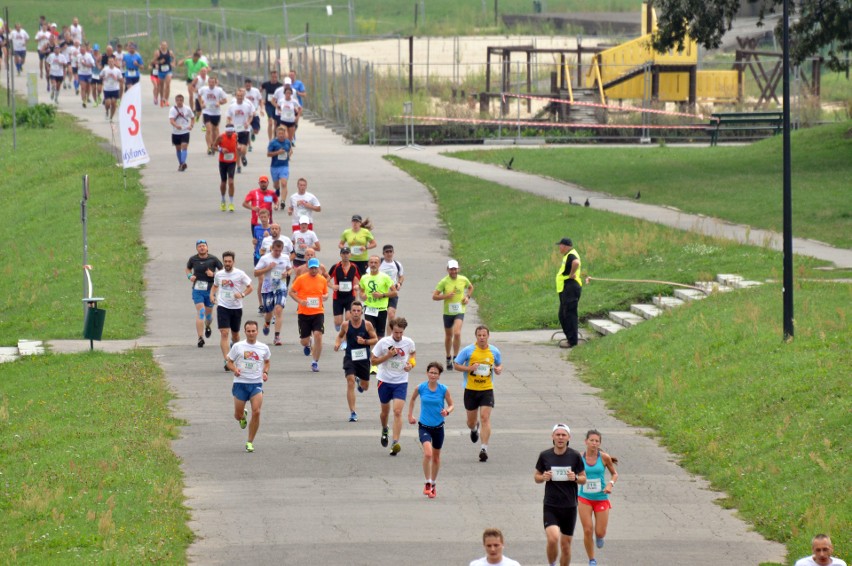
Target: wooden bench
(743, 121)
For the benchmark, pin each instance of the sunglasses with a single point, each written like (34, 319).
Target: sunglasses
(201, 242)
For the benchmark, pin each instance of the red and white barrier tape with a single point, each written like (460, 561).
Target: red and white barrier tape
(598, 105)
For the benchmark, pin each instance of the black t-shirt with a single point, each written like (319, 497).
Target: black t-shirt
(200, 266)
(560, 493)
(269, 89)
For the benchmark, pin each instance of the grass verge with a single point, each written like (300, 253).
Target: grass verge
(740, 184)
(88, 471)
(42, 257)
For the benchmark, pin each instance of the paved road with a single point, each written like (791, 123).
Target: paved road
(319, 490)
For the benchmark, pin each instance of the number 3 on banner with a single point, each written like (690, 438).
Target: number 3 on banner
(134, 129)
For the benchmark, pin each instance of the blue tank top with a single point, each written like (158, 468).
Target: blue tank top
(593, 489)
(352, 344)
(431, 404)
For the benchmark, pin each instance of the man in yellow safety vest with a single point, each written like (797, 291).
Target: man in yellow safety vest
(569, 286)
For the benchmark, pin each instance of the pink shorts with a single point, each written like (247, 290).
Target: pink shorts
(596, 505)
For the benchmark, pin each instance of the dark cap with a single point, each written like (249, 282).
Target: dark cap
(565, 242)
(345, 250)
(356, 218)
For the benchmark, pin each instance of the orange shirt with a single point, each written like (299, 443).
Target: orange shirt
(310, 288)
(228, 148)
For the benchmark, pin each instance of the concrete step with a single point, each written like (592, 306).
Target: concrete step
(728, 278)
(745, 284)
(625, 319)
(8, 354)
(714, 286)
(30, 347)
(667, 302)
(604, 326)
(646, 311)
(689, 294)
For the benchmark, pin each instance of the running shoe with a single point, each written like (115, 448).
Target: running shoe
(252, 138)
(307, 350)
(266, 329)
(204, 129)
(384, 439)
(84, 105)
(358, 382)
(427, 489)
(277, 340)
(231, 207)
(353, 418)
(156, 102)
(183, 166)
(244, 420)
(449, 364)
(593, 562)
(474, 434)
(314, 367)
(207, 331)
(223, 207)
(245, 161)
(249, 447)
(483, 455)
(260, 310)
(599, 542)
(432, 492)
(374, 370)
(395, 449)
(200, 342)
(251, 148)
(239, 169)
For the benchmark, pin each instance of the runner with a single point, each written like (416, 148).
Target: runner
(42, 38)
(56, 64)
(268, 88)
(261, 198)
(430, 428)
(310, 290)
(226, 145)
(289, 112)
(163, 60)
(113, 87)
(280, 150)
(394, 270)
(76, 30)
(302, 240)
(97, 85)
(360, 240)
(240, 114)
(85, 67)
(132, 63)
(254, 96)
(230, 287)
(481, 362)
(394, 356)
(200, 270)
(259, 233)
(492, 540)
(455, 290)
(198, 83)
(274, 268)
(249, 360)
(298, 89)
(19, 37)
(302, 204)
(181, 119)
(594, 494)
(359, 335)
(211, 97)
(376, 289)
(72, 53)
(561, 470)
(344, 279)
(193, 65)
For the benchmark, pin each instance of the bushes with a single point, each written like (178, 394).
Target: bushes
(38, 116)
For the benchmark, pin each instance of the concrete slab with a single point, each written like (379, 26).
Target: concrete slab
(713, 286)
(745, 284)
(728, 278)
(646, 311)
(8, 354)
(626, 319)
(604, 326)
(667, 302)
(689, 294)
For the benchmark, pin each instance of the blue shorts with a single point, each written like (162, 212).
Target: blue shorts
(388, 391)
(255, 123)
(433, 434)
(131, 80)
(21, 54)
(245, 391)
(162, 76)
(199, 297)
(282, 172)
(85, 78)
(273, 299)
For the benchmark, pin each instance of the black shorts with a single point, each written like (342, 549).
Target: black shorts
(242, 138)
(565, 517)
(189, 81)
(450, 319)
(178, 139)
(433, 434)
(309, 323)
(393, 302)
(227, 170)
(42, 56)
(212, 120)
(287, 124)
(270, 112)
(111, 94)
(299, 262)
(359, 369)
(229, 318)
(342, 305)
(379, 322)
(96, 81)
(476, 399)
(130, 81)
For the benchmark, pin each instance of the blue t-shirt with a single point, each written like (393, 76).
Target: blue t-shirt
(259, 233)
(282, 160)
(132, 63)
(299, 89)
(431, 404)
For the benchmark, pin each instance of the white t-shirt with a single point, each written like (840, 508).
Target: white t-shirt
(266, 245)
(275, 280)
(392, 268)
(299, 211)
(85, 64)
(210, 98)
(229, 284)
(809, 561)
(71, 54)
(287, 109)
(240, 115)
(19, 39)
(56, 62)
(249, 359)
(43, 38)
(200, 82)
(391, 371)
(183, 117)
(505, 562)
(76, 32)
(111, 78)
(303, 240)
(253, 95)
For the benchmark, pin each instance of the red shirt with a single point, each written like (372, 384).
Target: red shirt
(263, 199)
(228, 148)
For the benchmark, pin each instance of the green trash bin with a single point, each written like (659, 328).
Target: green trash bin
(93, 323)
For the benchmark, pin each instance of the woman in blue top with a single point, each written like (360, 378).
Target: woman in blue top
(594, 494)
(433, 396)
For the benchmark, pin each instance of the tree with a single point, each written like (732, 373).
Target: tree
(821, 23)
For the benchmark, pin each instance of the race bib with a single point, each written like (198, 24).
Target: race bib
(200, 285)
(250, 365)
(313, 302)
(371, 311)
(165, 68)
(267, 199)
(359, 354)
(560, 473)
(132, 73)
(345, 286)
(357, 250)
(270, 98)
(396, 363)
(228, 156)
(592, 485)
(482, 370)
(276, 274)
(226, 294)
(454, 308)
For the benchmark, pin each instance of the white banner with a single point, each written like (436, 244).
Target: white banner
(133, 152)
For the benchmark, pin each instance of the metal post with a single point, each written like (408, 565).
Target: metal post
(787, 198)
(411, 64)
(84, 219)
(352, 18)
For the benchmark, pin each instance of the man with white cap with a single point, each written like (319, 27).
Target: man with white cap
(455, 290)
(303, 240)
(561, 469)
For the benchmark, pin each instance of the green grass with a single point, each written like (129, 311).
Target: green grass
(512, 260)
(739, 184)
(766, 422)
(89, 476)
(43, 249)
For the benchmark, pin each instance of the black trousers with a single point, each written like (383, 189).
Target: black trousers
(569, 299)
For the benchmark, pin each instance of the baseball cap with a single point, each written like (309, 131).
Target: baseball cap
(345, 251)
(561, 426)
(313, 262)
(452, 264)
(565, 242)
(53, 25)
(304, 220)
(201, 242)
(229, 128)
(356, 218)
(263, 178)
(96, 47)
(288, 81)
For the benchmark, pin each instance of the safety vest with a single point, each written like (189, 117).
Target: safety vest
(561, 276)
